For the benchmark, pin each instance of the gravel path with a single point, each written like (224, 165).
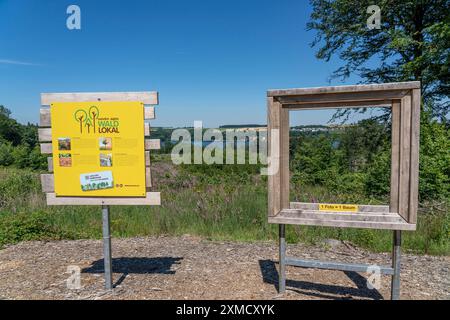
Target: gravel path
(191, 268)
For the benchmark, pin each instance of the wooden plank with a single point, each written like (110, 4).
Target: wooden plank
(350, 223)
(46, 148)
(50, 164)
(151, 199)
(148, 177)
(149, 112)
(405, 155)
(395, 155)
(345, 224)
(152, 144)
(378, 209)
(284, 160)
(342, 97)
(47, 182)
(414, 165)
(147, 158)
(273, 136)
(337, 105)
(44, 117)
(149, 97)
(44, 134)
(344, 89)
(330, 215)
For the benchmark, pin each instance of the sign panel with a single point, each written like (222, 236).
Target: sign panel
(98, 149)
(338, 207)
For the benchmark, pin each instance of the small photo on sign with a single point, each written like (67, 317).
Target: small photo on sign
(64, 144)
(96, 181)
(105, 160)
(65, 160)
(105, 143)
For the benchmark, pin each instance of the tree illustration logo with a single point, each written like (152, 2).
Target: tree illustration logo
(87, 119)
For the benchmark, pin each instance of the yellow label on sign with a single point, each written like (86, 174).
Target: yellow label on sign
(338, 207)
(98, 149)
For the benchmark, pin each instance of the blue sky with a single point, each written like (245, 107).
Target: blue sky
(210, 60)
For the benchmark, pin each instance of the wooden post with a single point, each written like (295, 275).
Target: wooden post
(395, 155)
(278, 137)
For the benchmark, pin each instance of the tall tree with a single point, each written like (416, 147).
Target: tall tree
(412, 43)
(10, 129)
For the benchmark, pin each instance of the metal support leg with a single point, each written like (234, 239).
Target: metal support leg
(396, 258)
(282, 261)
(107, 248)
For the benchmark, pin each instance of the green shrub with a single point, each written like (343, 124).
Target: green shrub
(434, 159)
(17, 185)
(27, 226)
(6, 154)
(377, 182)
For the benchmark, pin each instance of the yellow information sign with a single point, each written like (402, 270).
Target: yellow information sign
(98, 149)
(338, 207)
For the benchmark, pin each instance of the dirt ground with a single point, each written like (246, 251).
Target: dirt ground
(191, 268)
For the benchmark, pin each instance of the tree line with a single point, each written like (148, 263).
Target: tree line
(19, 145)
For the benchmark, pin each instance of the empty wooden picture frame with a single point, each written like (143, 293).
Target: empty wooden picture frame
(149, 99)
(404, 100)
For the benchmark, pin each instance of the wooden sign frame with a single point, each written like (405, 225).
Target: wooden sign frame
(149, 99)
(404, 100)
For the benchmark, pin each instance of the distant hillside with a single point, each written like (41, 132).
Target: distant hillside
(232, 126)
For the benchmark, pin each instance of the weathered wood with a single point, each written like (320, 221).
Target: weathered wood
(50, 161)
(50, 164)
(44, 117)
(342, 97)
(148, 177)
(414, 165)
(150, 97)
(333, 215)
(346, 89)
(378, 209)
(46, 148)
(152, 144)
(340, 105)
(47, 182)
(45, 134)
(274, 143)
(395, 155)
(405, 157)
(149, 112)
(284, 160)
(404, 99)
(290, 216)
(151, 199)
(147, 158)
